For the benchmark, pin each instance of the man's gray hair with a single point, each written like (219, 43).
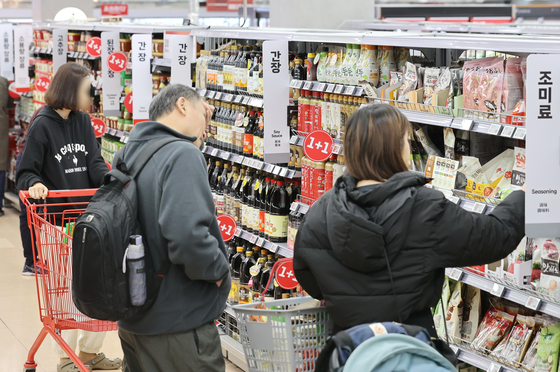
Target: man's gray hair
(164, 103)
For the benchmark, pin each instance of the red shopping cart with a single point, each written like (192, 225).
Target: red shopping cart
(51, 229)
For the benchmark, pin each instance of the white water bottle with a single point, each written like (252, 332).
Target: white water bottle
(136, 270)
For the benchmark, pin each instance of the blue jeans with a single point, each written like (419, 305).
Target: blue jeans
(24, 228)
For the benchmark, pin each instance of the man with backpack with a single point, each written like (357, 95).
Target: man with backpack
(176, 216)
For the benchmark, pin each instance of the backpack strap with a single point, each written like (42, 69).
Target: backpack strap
(151, 148)
(341, 340)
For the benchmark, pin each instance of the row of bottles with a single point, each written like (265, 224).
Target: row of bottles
(329, 112)
(319, 177)
(251, 268)
(350, 65)
(238, 129)
(259, 202)
(234, 70)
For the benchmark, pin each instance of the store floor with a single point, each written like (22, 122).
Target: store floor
(19, 315)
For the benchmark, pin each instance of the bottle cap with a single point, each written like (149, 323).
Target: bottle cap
(249, 253)
(135, 239)
(239, 249)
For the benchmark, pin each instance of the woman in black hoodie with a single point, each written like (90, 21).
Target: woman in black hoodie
(376, 246)
(62, 153)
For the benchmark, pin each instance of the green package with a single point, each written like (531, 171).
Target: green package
(547, 349)
(440, 311)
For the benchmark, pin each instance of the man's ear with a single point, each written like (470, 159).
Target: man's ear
(182, 105)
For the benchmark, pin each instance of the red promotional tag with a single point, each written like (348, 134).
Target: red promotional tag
(42, 84)
(99, 127)
(117, 62)
(227, 227)
(93, 46)
(12, 91)
(318, 146)
(285, 276)
(128, 102)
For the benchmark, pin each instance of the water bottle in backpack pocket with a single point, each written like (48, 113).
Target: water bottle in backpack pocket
(135, 263)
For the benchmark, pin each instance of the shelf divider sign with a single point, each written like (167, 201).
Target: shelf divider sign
(181, 59)
(141, 76)
(542, 200)
(111, 81)
(7, 51)
(60, 47)
(276, 96)
(21, 38)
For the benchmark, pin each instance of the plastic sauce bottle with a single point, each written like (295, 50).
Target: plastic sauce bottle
(329, 170)
(319, 180)
(322, 66)
(235, 265)
(311, 67)
(136, 270)
(244, 277)
(278, 217)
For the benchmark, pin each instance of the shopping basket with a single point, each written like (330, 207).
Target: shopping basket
(50, 224)
(278, 336)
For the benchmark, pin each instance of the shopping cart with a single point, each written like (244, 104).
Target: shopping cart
(282, 335)
(51, 226)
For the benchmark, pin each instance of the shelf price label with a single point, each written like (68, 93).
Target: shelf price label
(507, 131)
(330, 88)
(494, 129)
(253, 239)
(454, 199)
(479, 207)
(350, 89)
(214, 152)
(294, 139)
(285, 276)
(318, 145)
(533, 303)
(456, 274)
(321, 87)
(117, 62)
(260, 242)
(99, 127)
(42, 84)
(93, 47)
(307, 85)
(294, 207)
(227, 227)
(498, 290)
(466, 124)
(494, 367)
(238, 231)
(338, 89)
(455, 349)
(520, 133)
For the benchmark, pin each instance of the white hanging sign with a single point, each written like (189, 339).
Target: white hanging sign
(276, 96)
(21, 39)
(7, 51)
(181, 59)
(60, 48)
(141, 76)
(111, 81)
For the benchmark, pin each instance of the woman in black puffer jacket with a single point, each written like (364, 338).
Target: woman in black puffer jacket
(376, 246)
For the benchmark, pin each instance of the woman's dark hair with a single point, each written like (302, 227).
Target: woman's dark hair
(373, 143)
(63, 91)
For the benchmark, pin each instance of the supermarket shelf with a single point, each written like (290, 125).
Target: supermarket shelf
(229, 310)
(79, 55)
(253, 163)
(122, 136)
(315, 86)
(279, 248)
(480, 361)
(39, 50)
(250, 99)
(526, 298)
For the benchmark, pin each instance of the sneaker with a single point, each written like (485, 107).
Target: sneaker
(29, 270)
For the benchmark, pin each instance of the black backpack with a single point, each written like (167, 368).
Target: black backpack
(101, 236)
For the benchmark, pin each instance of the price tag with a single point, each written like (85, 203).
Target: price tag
(276, 170)
(294, 207)
(455, 349)
(218, 95)
(533, 303)
(466, 124)
(246, 100)
(454, 199)
(260, 242)
(238, 99)
(239, 159)
(112, 131)
(359, 91)
(237, 231)
(318, 146)
(456, 274)
(42, 84)
(117, 62)
(494, 129)
(336, 149)
(253, 239)
(339, 89)
(226, 155)
(202, 92)
(93, 47)
(293, 139)
(350, 89)
(291, 174)
(215, 152)
(321, 87)
(494, 367)
(211, 94)
(253, 163)
(498, 290)
(507, 132)
(269, 168)
(330, 88)
(307, 85)
(299, 84)
(520, 133)
(479, 207)
(273, 248)
(284, 172)
(228, 97)
(125, 138)
(293, 83)
(246, 161)
(258, 164)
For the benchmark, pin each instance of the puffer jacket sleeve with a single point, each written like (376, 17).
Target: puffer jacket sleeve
(465, 238)
(303, 272)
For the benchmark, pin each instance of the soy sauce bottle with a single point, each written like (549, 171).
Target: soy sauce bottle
(279, 211)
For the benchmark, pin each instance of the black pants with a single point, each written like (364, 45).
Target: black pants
(197, 350)
(24, 228)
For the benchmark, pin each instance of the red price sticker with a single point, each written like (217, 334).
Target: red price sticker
(285, 276)
(42, 84)
(227, 227)
(318, 146)
(93, 47)
(128, 102)
(99, 127)
(117, 62)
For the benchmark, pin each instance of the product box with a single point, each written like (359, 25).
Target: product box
(443, 171)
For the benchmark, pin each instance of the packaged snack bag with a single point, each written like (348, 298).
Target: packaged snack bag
(471, 314)
(410, 82)
(530, 359)
(490, 86)
(441, 309)
(449, 141)
(519, 340)
(498, 350)
(442, 83)
(454, 315)
(513, 84)
(493, 331)
(547, 349)
(431, 76)
(425, 141)
(518, 172)
(550, 263)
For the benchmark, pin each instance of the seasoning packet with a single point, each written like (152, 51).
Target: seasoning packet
(449, 143)
(495, 328)
(442, 83)
(519, 340)
(425, 141)
(513, 84)
(396, 77)
(471, 314)
(454, 315)
(498, 350)
(431, 76)
(441, 308)
(550, 263)
(490, 86)
(547, 349)
(410, 82)
(472, 75)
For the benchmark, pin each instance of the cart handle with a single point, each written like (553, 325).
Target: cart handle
(24, 195)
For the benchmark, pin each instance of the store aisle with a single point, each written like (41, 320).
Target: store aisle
(19, 315)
